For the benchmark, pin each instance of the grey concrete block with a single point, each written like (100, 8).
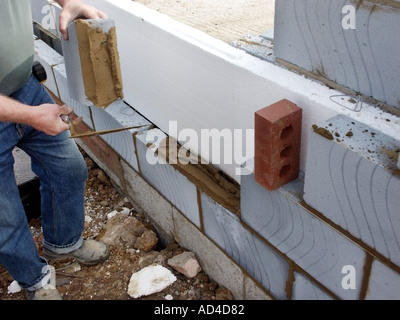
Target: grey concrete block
(48, 58)
(97, 159)
(384, 283)
(259, 260)
(212, 260)
(47, 15)
(165, 178)
(83, 111)
(310, 34)
(146, 199)
(305, 289)
(73, 67)
(258, 46)
(398, 163)
(350, 178)
(119, 115)
(254, 291)
(60, 77)
(268, 34)
(89, 81)
(280, 218)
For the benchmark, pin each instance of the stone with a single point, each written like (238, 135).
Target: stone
(149, 280)
(185, 263)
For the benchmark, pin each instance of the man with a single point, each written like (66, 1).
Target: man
(30, 119)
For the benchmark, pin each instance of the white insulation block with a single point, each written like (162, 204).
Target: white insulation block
(352, 178)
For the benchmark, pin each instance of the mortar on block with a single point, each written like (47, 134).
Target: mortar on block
(92, 62)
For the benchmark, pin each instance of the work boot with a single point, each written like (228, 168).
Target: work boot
(48, 292)
(90, 253)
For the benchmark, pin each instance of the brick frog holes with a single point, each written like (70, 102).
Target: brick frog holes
(277, 144)
(287, 151)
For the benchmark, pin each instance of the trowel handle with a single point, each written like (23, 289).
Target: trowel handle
(66, 118)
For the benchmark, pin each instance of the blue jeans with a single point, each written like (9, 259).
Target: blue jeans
(62, 171)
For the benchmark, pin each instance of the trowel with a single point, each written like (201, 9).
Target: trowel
(93, 68)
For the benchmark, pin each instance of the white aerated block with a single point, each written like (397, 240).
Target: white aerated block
(352, 178)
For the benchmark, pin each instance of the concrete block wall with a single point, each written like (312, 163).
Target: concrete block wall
(311, 247)
(353, 180)
(337, 224)
(260, 244)
(354, 44)
(168, 198)
(203, 73)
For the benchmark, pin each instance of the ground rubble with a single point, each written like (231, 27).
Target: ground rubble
(134, 246)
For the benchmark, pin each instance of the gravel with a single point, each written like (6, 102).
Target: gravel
(109, 280)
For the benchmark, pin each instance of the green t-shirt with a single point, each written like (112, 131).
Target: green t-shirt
(16, 44)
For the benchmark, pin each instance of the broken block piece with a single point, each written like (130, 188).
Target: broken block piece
(92, 62)
(185, 263)
(277, 144)
(149, 280)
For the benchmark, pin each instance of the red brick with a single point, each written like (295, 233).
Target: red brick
(277, 144)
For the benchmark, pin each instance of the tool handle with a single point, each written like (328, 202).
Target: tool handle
(66, 118)
(39, 72)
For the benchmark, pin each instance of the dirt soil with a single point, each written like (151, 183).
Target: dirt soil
(224, 20)
(109, 280)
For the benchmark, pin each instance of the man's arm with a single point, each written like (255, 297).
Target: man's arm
(45, 117)
(72, 9)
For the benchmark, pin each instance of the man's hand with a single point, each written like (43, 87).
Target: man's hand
(72, 9)
(47, 118)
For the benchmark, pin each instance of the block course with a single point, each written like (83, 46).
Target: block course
(320, 251)
(309, 37)
(158, 205)
(263, 256)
